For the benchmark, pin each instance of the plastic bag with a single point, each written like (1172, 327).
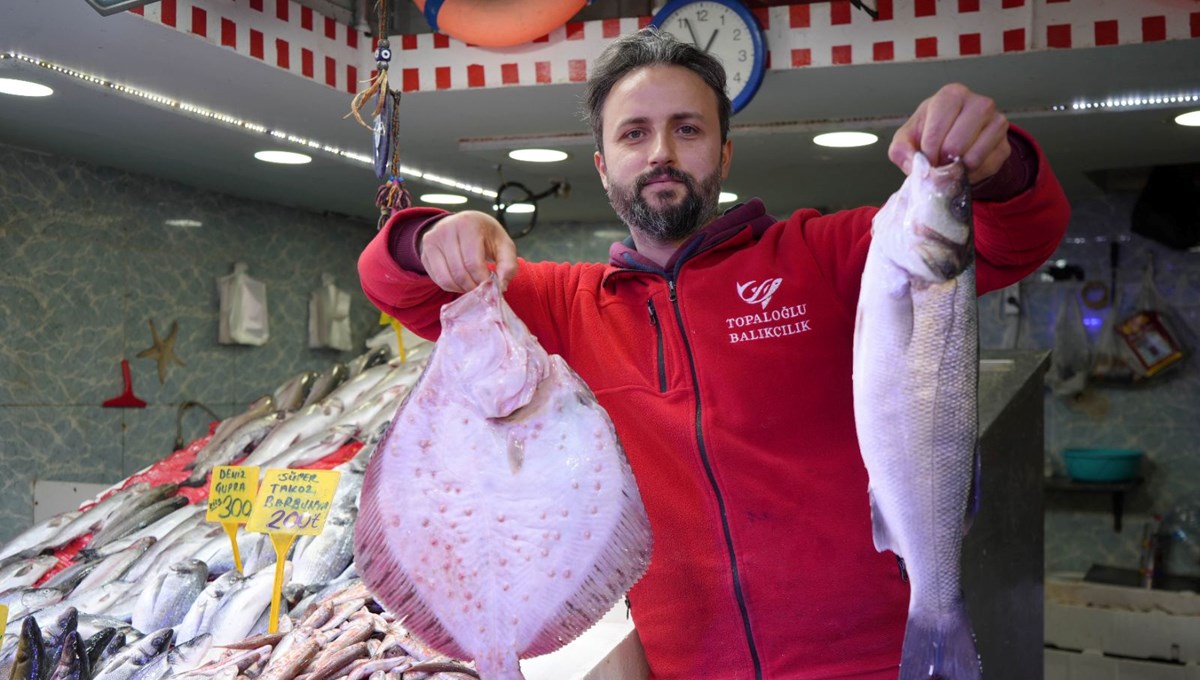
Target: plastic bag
(329, 317)
(1154, 338)
(1071, 360)
(1108, 360)
(243, 314)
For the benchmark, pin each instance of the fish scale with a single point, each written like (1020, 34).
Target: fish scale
(916, 363)
(499, 514)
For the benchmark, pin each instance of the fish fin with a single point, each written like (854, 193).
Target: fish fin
(879, 528)
(940, 646)
(976, 491)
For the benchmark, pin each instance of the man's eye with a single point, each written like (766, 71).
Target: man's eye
(688, 130)
(634, 134)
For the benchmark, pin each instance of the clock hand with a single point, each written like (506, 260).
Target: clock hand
(695, 40)
(711, 40)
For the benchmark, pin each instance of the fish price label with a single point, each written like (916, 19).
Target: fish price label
(231, 493)
(293, 501)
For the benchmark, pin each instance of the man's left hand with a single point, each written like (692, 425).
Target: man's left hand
(954, 123)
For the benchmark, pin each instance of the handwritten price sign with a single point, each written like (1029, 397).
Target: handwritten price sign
(231, 493)
(294, 501)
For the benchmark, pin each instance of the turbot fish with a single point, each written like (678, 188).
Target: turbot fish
(519, 523)
(916, 362)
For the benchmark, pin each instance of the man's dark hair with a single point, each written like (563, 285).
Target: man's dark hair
(650, 47)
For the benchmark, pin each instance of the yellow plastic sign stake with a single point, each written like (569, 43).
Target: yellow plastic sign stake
(385, 319)
(231, 493)
(291, 503)
(3, 618)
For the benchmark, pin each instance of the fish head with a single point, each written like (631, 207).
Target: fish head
(500, 373)
(926, 227)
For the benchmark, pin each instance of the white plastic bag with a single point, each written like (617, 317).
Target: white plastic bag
(243, 315)
(1108, 360)
(1154, 339)
(329, 317)
(1071, 360)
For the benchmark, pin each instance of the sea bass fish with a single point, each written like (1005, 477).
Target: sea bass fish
(499, 514)
(916, 363)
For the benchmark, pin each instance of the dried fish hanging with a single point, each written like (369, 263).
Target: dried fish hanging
(392, 195)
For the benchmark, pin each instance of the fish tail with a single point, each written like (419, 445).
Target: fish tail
(939, 646)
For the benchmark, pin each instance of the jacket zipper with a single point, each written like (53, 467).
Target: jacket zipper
(712, 480)
(662, 369)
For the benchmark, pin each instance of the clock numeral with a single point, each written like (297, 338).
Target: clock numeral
(702, 15)
(738, 76)
(737, 32)
(741, 55)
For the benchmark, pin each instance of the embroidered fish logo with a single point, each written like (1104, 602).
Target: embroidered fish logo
(753, 292)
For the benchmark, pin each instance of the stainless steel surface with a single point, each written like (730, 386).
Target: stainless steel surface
(1003, 553)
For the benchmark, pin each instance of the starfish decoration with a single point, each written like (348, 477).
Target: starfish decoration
(163, 350)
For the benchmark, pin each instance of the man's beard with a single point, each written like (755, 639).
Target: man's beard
(674, 222)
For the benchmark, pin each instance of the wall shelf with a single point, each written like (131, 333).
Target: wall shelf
(1117, 489)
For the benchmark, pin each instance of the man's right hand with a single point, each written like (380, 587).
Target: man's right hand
(457, 250)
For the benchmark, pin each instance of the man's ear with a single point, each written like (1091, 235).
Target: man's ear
(601, 168)
(726, 158)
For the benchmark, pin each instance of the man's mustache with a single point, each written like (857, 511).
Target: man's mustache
(666, 173)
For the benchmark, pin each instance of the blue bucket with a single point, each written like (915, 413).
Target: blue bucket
(1102, 465)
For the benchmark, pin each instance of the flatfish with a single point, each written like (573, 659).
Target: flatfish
(499, 515)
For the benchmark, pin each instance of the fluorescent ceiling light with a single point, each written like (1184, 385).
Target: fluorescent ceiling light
(1190, 119)
(443, 199)
(283, 157)
(183, 223)
(845, 139)
(538, 155)
(726, 197)
(23, 88)
(520, 208)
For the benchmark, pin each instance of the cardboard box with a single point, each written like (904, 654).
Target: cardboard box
(1064, 665)
(1123, 621)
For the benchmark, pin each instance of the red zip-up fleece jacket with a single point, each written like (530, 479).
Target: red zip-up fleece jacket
(728, 377)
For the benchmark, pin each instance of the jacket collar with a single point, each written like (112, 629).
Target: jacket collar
(752, 214)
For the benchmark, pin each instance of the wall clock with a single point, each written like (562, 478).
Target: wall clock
(727, 30)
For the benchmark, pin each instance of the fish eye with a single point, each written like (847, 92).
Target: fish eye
(960, 205)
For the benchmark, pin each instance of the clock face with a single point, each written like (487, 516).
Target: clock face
(725, 30)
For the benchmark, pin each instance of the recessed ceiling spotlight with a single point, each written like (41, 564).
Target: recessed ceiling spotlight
(516, 208)
(183, 223)
(283, 157)
(23, 88)
(538, 155)
(1190, 119)
(845, 139)
(443, 199)
(726, 197)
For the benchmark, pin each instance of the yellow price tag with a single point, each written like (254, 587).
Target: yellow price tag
(385, 319)
(291, 503)
(231, 493)
(3, 618)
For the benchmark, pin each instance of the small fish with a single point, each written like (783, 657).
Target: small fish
(29, 661)
(326, 383)
(368, 359)
(95, 644)
(245, 438)
(26, 572)
(73, 663)
(290, 395)
(38, 534)
(114, 566)
(916, 371)
(137, 521)
(259, 407)
(164, 602)
(299, 426)
(198, 619)
(330, 551)
(126, 663)
(25, 600)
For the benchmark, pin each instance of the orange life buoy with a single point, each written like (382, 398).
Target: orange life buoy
(497, 24)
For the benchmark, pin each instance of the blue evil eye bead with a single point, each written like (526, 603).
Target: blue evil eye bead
(384, 54)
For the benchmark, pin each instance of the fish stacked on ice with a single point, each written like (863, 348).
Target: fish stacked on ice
(916, 363)
(499, 515)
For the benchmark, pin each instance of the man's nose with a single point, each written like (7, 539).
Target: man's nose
(662, 151)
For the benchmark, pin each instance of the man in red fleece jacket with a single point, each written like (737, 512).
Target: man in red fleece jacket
(721, 347)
